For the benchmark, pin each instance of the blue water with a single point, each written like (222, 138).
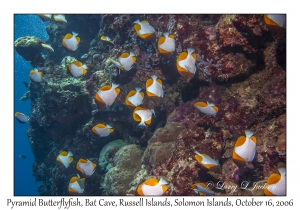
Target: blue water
(24, 182)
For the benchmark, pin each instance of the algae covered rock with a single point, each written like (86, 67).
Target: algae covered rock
(127, 161)
(30, 47)
(108, 153)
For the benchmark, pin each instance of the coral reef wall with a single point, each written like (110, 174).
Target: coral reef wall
(240, 67)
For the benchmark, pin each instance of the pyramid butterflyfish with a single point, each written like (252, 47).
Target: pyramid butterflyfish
(278, 20)
(154, 89)
(22, 118)
(77, 69)
(134, 97)
(86, 167)
(102, 130)
(202, 189)
(276, 184)
(76, 185)
(60, 18)
(35, 75)
(65, 158)
(244, 149)
(45, 17)
(153, 187)
(166, 44)
(71, 41)
(47, 47)
(107, 39)
(144, 29)
(208, 162)
(186, 64)
(126, 60)
(206, 108)
(143, 115)
(107, 94)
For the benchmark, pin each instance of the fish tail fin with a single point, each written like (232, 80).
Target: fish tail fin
(137, 21)
(138, 89)
(70, 153)
(114, 86)
(190, 50)
(166, 34)
(108, 126)
(84, 66)
(249, 133)
(282, 171)
(162, 181)
(142, 124)
(74, 33)
(197, 153)
(152, 110)
(154, 77)
(132, 53)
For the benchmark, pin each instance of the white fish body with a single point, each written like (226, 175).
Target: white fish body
(156, 87)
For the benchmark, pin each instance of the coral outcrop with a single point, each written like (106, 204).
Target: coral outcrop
(126, 163)
(30, 47)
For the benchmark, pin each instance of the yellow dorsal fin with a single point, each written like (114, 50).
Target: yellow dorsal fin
(77, 63)
(97, 97)
(32, 72)
(84, 71)
(253, 138)
(73, 179)
(159, 81)
(82, 160)
(78, 168)
(139, 190)
(64, 153)
(149, 82)
(135, 116)
(106, 87)
(273, 179)
(71, 159)
(171, 36)
(94, 130)
(194, 56)
(131, 93)
(269, 21)
(143, 95)
(182, 56)
(40, 73)
(68, 36)
(161, 40)
(71, 190)
(151, 182)
(101, 126)
(117, 91)
(148, 122)
(237, 157)
(201, 104)
(78, 39)
(145, 21)
(111, 130)
(240, 141)
(137, 27)
(215, 108)
(164, 188)
(124, 55)
(133, 59)
(198, 158)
